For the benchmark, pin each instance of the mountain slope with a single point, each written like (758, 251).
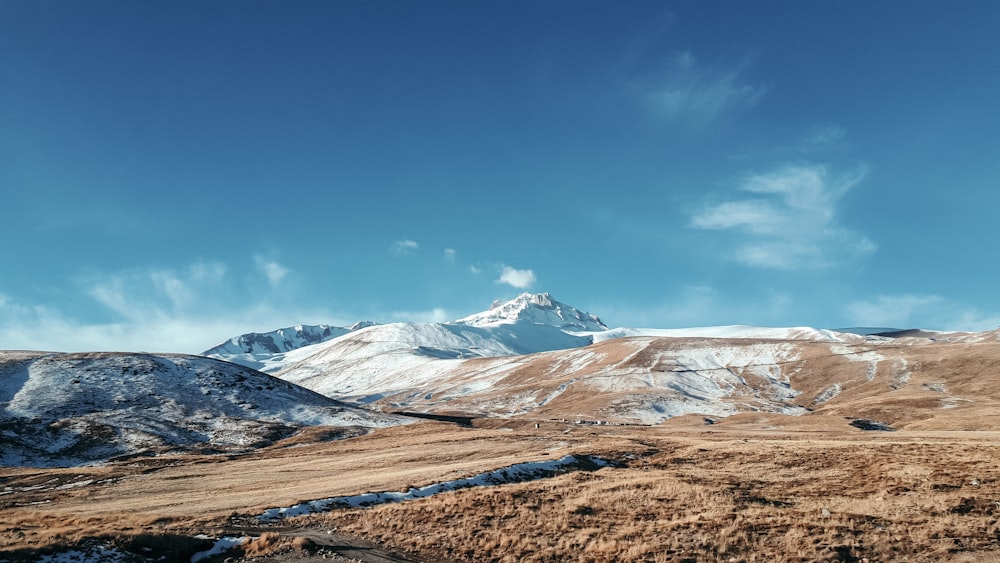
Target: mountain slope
(386, 359)
(66, 409)
(908, 383)
(389, 358)
(732, 331)
(536, 357)
(409, 358)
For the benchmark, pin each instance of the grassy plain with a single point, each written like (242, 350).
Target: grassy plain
(749, 488)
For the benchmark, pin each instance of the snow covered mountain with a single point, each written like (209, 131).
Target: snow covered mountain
(67, 409)
(526, 324)
(385, 359)
(260, 350)
(369, 363)
(388, 360)
(910, 382)
(535, 308)
(534, 356)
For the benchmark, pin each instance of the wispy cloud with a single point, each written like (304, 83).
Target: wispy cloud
(825, 137)
(150, 293)
(449, 255)
(688, 88)
(790, 220)
(274, 271)
(154, 309)
(521, 279)
(405, 246)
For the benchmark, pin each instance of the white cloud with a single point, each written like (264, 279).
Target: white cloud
(435, 315)
(688, 88)
(449, 255)
(153, 309)
(404, 246)
(755, 216)
(145, 294)
(474, 270)
(791, 223)
(274, 271)
(520, 279)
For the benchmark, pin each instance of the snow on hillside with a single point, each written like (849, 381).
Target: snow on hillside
(387, 358)
(732, 331)
(532, 354)
(263, 351)
(410, 364)
(536, 308)
(67, 409)
(639, 379)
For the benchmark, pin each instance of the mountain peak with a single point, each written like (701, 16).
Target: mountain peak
(535, 308)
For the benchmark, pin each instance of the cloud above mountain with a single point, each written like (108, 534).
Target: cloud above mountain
(175, 309)
(271, 269)
(788, 219)
(521, 279)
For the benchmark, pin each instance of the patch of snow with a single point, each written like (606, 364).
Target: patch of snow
(221, 546)
(514, 473)
(93, 553)
(872, 357)
(827, 394)
(901, 375)
(559, 391)
(730, 331)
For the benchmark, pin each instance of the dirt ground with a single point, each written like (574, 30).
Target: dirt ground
(749, 488)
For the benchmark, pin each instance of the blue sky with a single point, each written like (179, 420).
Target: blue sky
(175, 173)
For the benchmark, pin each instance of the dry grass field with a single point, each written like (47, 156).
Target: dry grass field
(749, 488)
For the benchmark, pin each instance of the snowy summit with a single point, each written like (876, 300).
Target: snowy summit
(535, 308)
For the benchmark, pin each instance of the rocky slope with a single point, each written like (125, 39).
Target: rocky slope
(66, 409)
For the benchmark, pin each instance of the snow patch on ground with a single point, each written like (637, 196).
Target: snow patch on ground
(873, 358)
(94, 553)
(731, 331)
(900, 373)
(514, 473)
(221, 546)
(827, 394)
